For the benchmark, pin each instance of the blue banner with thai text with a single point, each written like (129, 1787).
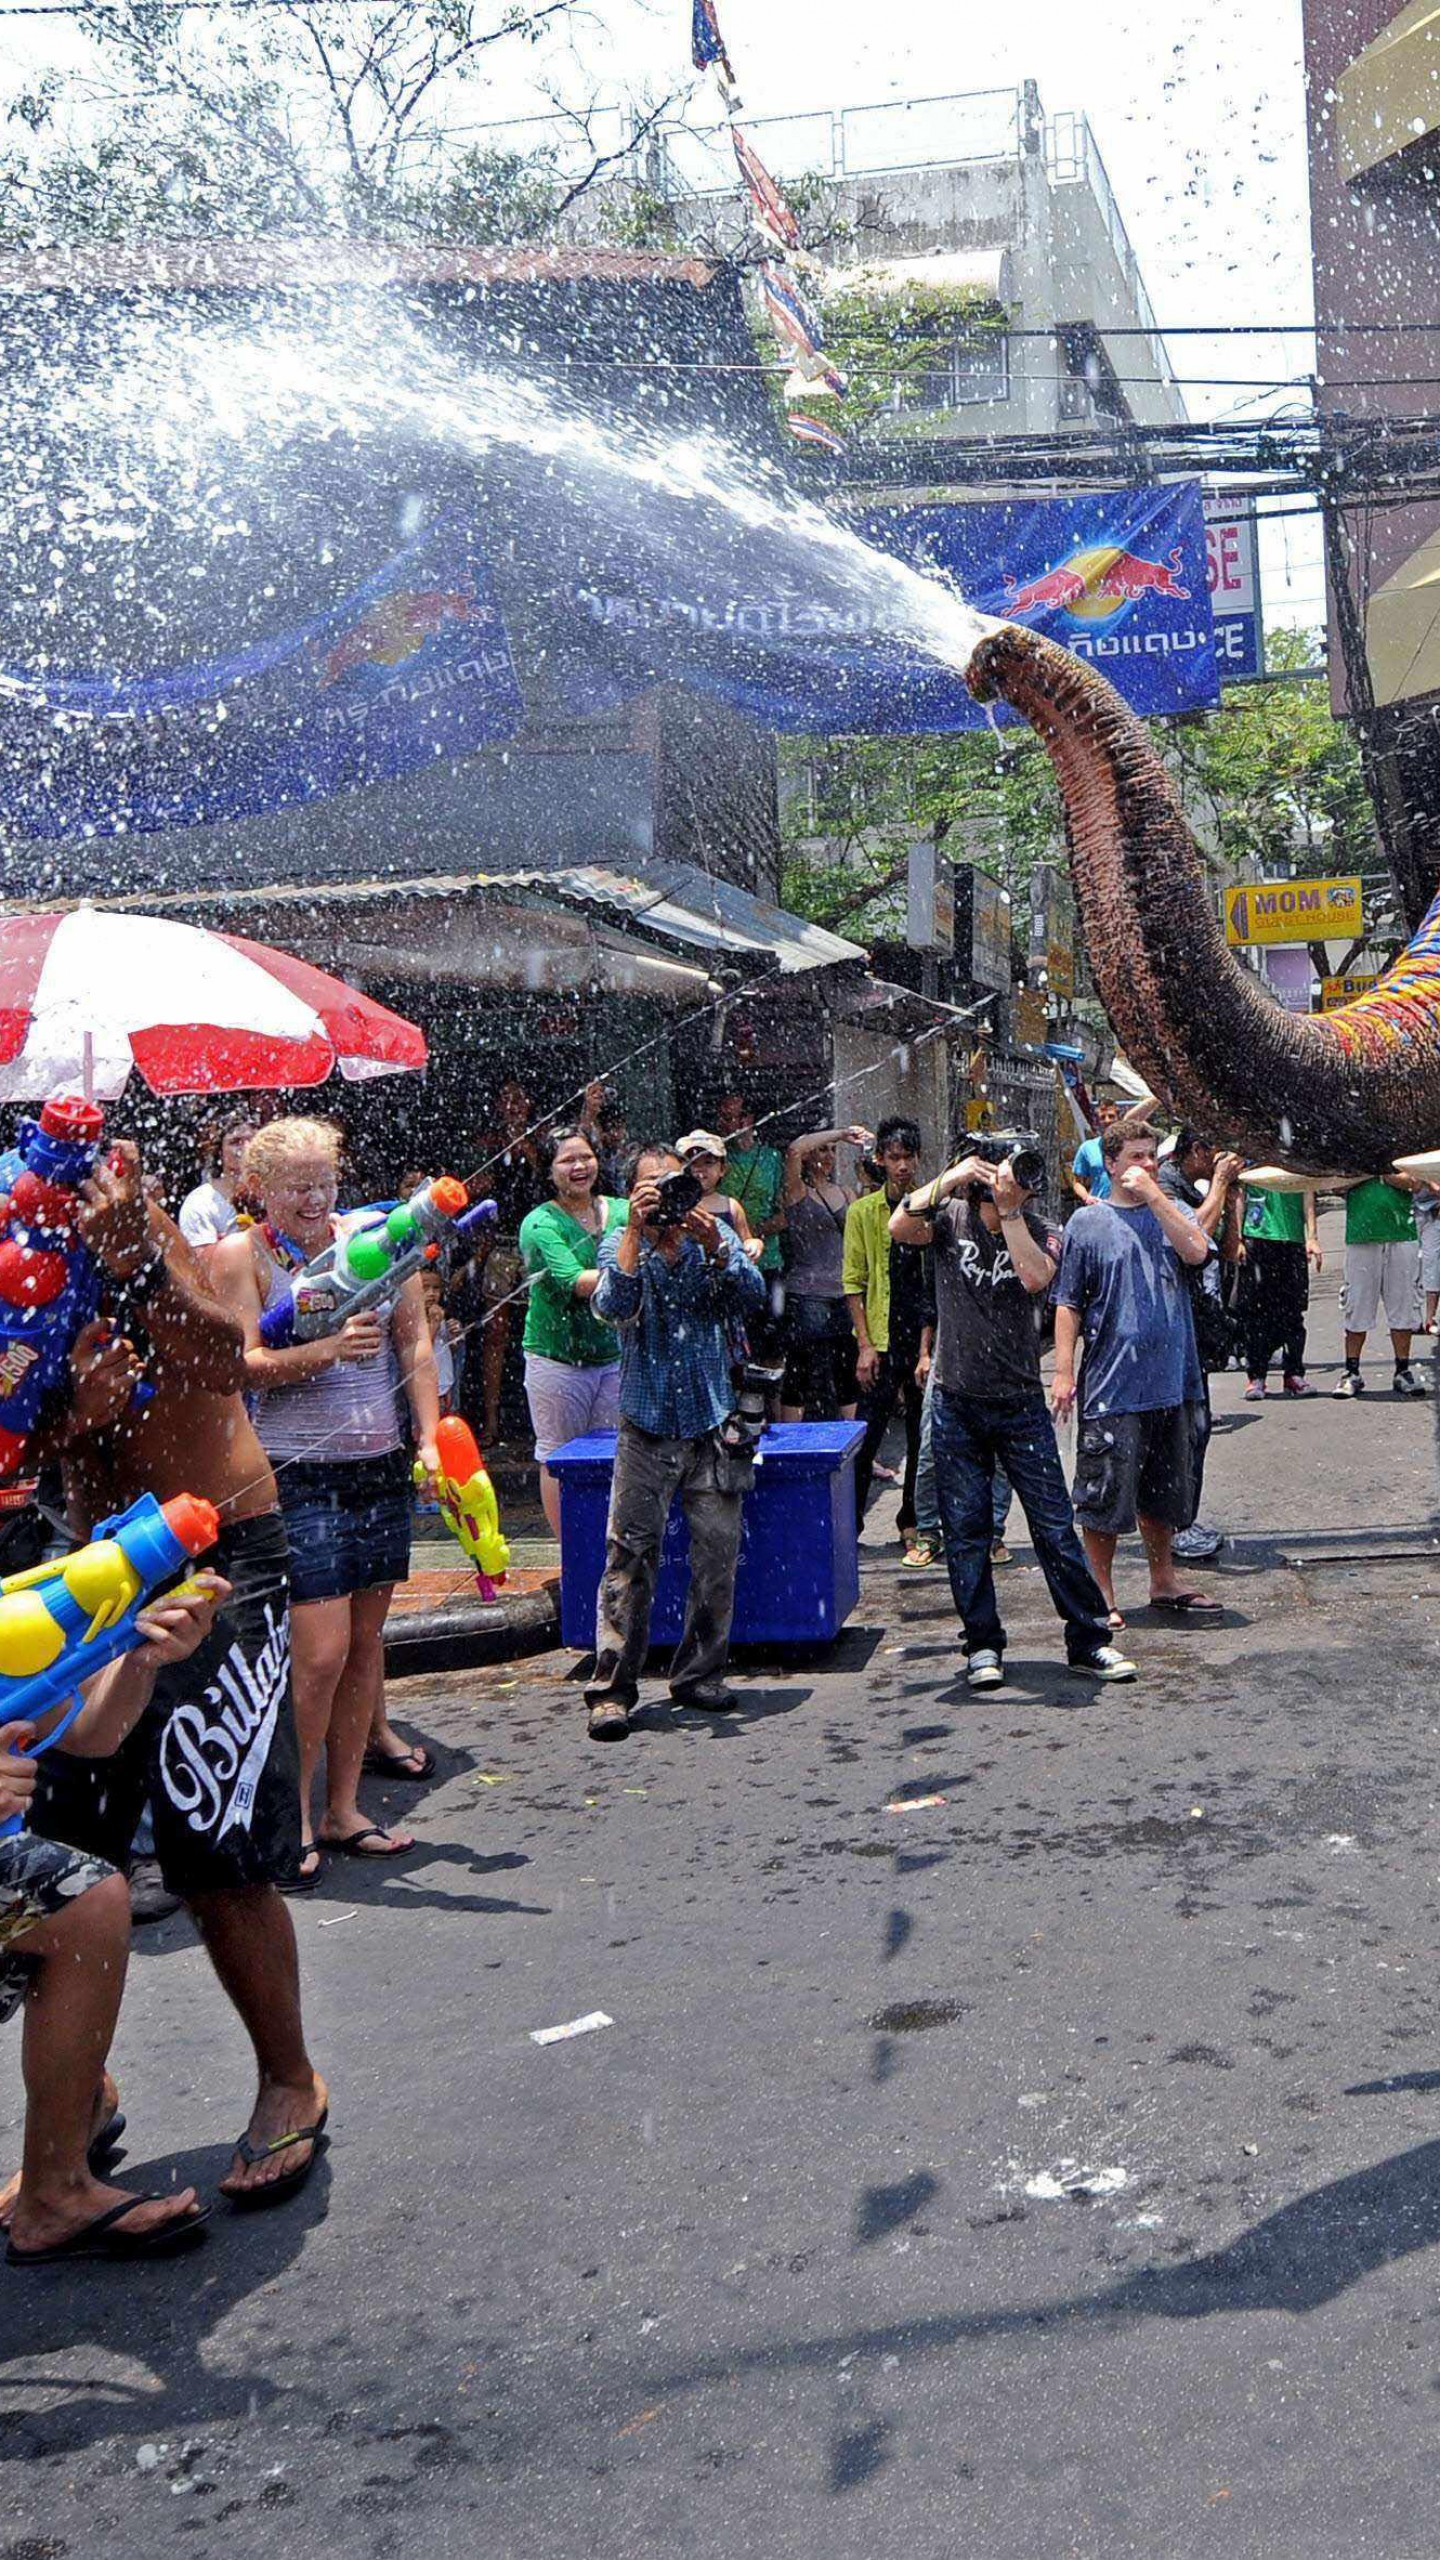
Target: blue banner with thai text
(803, 639)
(412, 665)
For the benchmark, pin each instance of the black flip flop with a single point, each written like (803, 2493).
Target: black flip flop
(306, 1883)
(104, 2145)
(1190, 1604)
(256, 2199)
(388, 1764)
(350, 1847)
(103, 2238)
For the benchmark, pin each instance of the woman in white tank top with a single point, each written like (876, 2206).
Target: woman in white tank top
(329, 1414)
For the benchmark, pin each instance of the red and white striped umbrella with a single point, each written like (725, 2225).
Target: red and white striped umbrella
(89, 995)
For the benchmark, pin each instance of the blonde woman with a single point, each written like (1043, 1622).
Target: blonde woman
(328, 1414)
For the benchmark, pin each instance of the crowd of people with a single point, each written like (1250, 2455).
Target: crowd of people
(678, 1295)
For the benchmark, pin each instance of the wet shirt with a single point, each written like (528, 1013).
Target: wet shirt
(206, 1214)
(1089, 1168)
(1274, 1217)
(815, 1233)
(556, 1250)
(988, 1346)
(673, 1320)
(1377, 1214)
(1121, 1275)
(756, 1179)
(1204, 1280)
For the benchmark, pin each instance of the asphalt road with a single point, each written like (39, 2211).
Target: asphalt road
(785, 2260)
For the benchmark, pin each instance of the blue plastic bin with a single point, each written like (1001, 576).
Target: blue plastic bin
(799, 1573)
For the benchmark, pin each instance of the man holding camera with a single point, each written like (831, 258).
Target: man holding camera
(673, 1282)
(994, 1257)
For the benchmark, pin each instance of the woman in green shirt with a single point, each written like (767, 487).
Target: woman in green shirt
(572, 1361)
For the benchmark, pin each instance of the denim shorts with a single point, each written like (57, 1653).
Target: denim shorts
(348, 1523)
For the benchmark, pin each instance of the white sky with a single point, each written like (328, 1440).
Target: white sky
(1198, 110)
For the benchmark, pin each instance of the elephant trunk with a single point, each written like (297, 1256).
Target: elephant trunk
(1346, 1091)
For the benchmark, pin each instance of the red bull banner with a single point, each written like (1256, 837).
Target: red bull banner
(1120, 579)
(412, 665)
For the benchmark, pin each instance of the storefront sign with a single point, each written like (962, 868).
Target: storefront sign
(1271, 911)
(1232, 566)
(1337, 991)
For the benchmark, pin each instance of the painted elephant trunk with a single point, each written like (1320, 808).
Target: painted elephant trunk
(1340, 1092)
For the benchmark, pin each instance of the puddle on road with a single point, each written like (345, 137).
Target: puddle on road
(912, 2017)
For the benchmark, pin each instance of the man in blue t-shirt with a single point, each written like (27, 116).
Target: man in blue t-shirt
(1122, 1293)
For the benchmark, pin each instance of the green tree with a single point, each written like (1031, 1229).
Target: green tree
(1273, 778)
(304, 116)
(1277, 779)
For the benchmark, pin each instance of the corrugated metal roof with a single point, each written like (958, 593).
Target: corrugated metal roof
(196, 266)
(675, 903)
(679, 901)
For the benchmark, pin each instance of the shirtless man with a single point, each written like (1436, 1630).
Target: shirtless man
(216, 1751)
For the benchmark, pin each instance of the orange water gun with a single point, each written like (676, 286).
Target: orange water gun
(467, 1503)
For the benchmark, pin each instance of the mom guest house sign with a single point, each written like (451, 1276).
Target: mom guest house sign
(1271, 911)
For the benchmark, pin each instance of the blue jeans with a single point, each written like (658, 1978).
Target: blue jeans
(970, 1439)
(927, 1502)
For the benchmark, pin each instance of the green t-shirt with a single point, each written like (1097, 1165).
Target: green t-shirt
(1274, 1217)
(1376, 1214)
(756, 1179)
(558, 1325)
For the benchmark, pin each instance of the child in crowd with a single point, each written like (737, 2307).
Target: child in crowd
(64, 1945)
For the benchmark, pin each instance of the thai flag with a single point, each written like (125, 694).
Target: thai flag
(814, 431)
(767, 203)
(707, 45)
(788, 312)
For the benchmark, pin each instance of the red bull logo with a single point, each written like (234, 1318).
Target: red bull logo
(397, 628)
(1096, 584)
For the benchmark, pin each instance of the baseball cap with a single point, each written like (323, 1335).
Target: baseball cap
(701, 1142)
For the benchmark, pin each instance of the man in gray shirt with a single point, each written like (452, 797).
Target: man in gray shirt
(994, 1257)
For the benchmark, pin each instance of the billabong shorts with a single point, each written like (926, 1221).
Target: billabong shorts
(1127, 1463)
(348, 1524)
(37, 1879)
(214, 1755)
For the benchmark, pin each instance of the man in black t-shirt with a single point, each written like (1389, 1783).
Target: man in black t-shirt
(993, 1258)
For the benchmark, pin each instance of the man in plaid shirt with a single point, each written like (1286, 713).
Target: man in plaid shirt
(674, 1294)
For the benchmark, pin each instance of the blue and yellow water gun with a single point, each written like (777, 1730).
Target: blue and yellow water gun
(62, 1622)
(467, 1502)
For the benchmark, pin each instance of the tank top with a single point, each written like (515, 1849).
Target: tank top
(350, 1410)
(815, 1234)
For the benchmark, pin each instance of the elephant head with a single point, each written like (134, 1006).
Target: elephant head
(1340, 1092)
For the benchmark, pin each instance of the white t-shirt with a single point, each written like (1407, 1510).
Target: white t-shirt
(206, 1215)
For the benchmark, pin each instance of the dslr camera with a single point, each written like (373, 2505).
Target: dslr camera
(1019, 1148)
(744, 1428)
(679, 1194)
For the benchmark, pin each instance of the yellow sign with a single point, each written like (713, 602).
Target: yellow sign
(1270, 911)
(1338, 991)
(1060, 969)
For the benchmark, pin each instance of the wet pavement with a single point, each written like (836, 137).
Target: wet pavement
(1017, 2128)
